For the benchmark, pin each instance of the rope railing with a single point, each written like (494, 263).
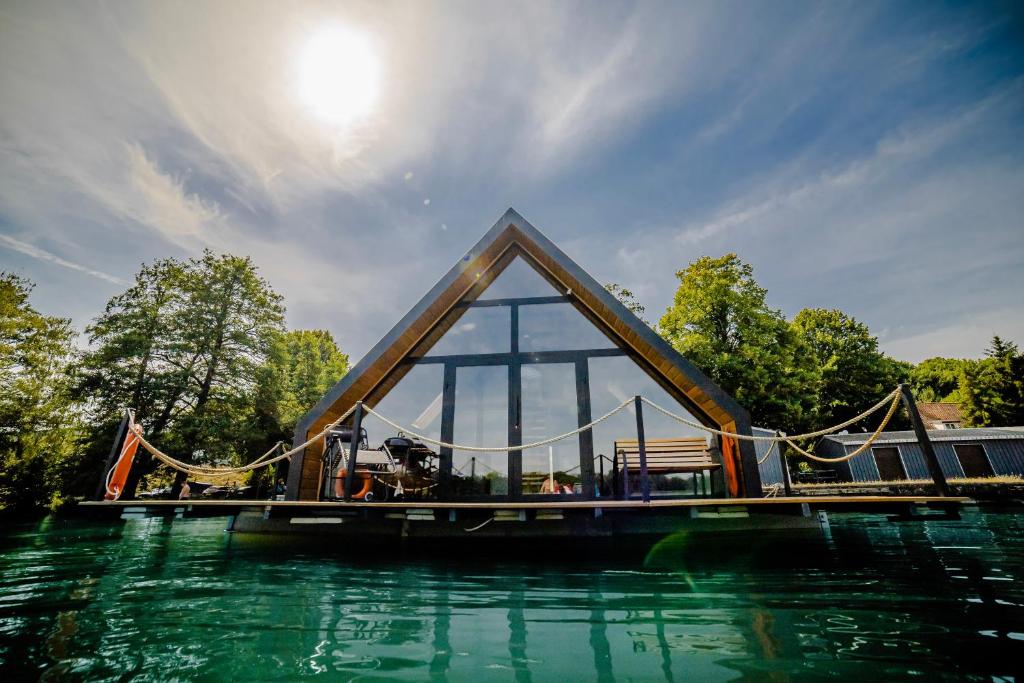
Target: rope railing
(892, 399)
(864, 447)
(892, 396)
(775, 444)
(495, 449)
(200, 470)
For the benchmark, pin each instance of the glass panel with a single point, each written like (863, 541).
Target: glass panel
(479, 330)
(414, 401)
(518, 280)
(612, 381)
(549, 409)
(481, 419)
(558, 327)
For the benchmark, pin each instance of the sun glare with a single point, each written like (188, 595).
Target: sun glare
(339, 75)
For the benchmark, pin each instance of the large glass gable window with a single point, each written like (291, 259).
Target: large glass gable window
(514, 364)
(558, 327)
(519, 280)
(477, 330)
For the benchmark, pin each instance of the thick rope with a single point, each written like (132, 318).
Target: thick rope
(207, 471)
(496, 449)
(200, 470)
(867, 444)
(771, 448)
(894, 396)
(189, 468)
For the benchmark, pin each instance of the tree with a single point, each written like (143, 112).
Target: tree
(302, 366)
(628, 300)
(37, 425)
(992, 389)
(719, 320)
(224, 336)
(937, 380)
(185, 346)
(854, 373)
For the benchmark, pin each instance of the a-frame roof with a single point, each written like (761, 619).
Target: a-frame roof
(511, 232)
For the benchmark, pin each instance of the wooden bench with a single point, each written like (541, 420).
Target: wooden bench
(666, 456)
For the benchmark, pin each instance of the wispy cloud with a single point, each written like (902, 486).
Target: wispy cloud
(637, 136)
(43, 255)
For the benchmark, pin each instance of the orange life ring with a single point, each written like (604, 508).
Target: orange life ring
(119, 473)
(339, 484)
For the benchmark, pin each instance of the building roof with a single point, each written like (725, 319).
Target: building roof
(970, 434)
(486, 260)
(940, 412)
(511, 236)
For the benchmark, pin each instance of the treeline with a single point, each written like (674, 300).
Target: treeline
(197, 347)
(823, 367)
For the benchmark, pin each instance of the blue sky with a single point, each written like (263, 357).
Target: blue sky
(864, 156)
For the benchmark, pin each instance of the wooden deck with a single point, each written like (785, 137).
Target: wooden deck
(468, 526)
(818, 502)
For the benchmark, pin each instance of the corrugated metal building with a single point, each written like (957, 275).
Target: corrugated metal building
(771, 468)
(975, 452)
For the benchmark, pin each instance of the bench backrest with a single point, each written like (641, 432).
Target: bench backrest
(666, 455)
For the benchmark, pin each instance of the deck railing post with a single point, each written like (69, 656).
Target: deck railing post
(353, 450)
(645, 482)
(626, 493)
(787, 485)
(932, 460)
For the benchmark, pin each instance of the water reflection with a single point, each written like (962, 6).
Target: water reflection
(163, 599)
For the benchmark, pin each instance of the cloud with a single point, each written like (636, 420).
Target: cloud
(638, 137)
(161, 202)
(43, 255)
(965, 338)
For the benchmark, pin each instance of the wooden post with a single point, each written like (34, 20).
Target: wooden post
(645, 482)
(353, 450)
(787, 485)
(941, 487)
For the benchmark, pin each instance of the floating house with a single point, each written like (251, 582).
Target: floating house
(515, 344)
(969, 452)
(520, 400)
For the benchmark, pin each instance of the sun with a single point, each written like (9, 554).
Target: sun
(339, 75)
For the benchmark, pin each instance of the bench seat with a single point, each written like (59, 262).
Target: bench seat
(666, 456)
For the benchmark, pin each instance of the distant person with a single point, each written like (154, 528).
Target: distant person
(279, 488)
(186, 491)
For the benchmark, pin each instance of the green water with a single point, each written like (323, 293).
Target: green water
(158, 600)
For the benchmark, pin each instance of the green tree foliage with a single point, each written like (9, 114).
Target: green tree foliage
(628, 300)
(314, 364)
(186, 347)
(302, 366)
(854, 373)
(37, 425)
(938, 379)
(720, 321)
(992, 389)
